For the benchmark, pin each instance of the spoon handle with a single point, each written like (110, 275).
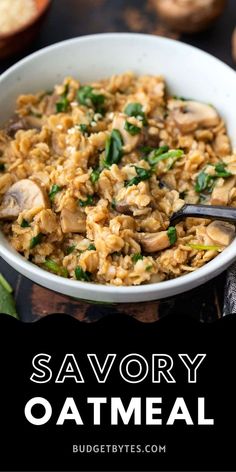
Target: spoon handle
(211, 212)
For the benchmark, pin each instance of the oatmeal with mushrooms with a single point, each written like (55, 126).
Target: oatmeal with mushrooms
(91, 174)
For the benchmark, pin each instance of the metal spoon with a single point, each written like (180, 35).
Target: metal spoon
(211, 212)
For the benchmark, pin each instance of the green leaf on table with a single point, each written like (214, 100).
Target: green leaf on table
(7, 302)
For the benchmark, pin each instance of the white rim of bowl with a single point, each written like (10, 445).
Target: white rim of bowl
(211, 269)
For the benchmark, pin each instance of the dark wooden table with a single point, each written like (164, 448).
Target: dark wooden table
(70, 18)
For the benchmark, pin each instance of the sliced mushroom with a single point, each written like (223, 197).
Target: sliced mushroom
(123, 207)
(221, 191)
(189, 115)
(73, 221)
(15, 124)
(153, 242)
(221, 232)
(130, 142)
(187, 15)
(23, 195)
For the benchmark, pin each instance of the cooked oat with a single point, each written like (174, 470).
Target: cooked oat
(91, 174)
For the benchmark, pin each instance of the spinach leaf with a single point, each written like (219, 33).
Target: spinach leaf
(136, 109)
(142, 174)
(131, 128)
(136, 257)
(113, 149)
(88, 201)
(172, 234)
(87, 97)
(63, 104)
(36, 240)
(82, 275)
(54, 190)
(55, 268)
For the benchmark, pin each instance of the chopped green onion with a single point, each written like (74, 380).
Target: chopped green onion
(4, 283)
(172, 234)
(131, 128)
(36, 240)
(70, 249)
(136, 257)
(87, 97)
(63, 104)
(54, 190)
(202, 247)
(142, 174)
(148, 268)
(94, 176)
(88, 201)
(25, 224)
(158, 157)
(55, 268)
(206, 181)
(83, 128)
(221, 171)
(82, 275)
(2, 167)
(113, 149)
(136, 109)
(91, 247)
(113, 204)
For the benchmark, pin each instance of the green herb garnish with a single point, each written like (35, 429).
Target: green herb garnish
(36, 240)
(136, 257)
(113, 149)
(25, 224)
(83, 128)
(131, 128)
(206, 181)
(86, 96)
(172, 235)
(113, 204)
(82, 275)
(159, 156)
(70, 249)
(55, 268)
(88, 201)
(91, 247)
(136, 109)
(94, 176)
(54, 190)
(221, 170)
(142, 174)
(63, 104)
(148, 268)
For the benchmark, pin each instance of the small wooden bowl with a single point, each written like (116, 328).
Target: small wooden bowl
(14, 41)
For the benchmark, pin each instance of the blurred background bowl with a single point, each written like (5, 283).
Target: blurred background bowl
(16, 40)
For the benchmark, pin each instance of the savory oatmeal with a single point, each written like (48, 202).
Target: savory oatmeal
(91, 174)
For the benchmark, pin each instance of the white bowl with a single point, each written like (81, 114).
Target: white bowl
(188, 71)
